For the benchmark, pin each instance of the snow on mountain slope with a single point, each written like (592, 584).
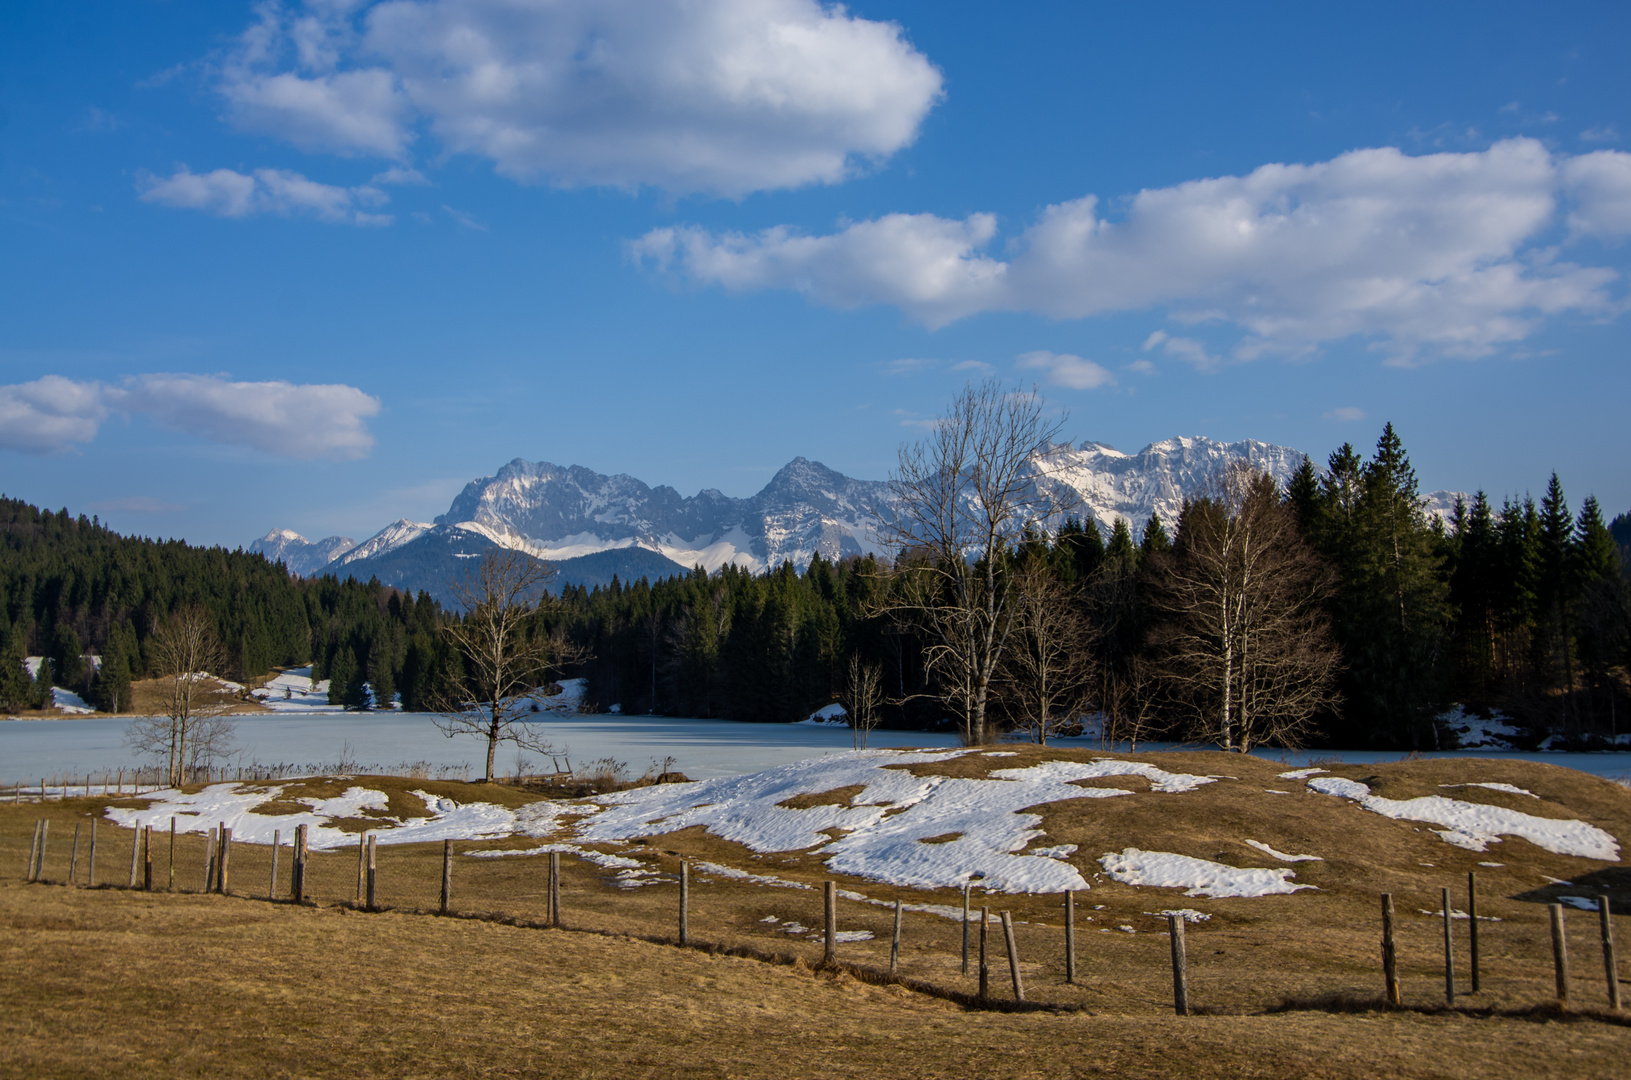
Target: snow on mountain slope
(393, 536)
(557, 512)
(300, 555)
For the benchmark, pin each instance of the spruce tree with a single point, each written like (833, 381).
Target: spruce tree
(1155, 540)
(1303, 495)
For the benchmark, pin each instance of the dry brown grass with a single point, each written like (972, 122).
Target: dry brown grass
(496, 997)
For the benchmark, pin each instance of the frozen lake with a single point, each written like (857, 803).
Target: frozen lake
(701, 749)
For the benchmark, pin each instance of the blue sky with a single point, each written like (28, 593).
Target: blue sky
(315, 265)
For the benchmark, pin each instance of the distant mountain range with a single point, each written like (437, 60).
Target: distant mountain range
(593, 526)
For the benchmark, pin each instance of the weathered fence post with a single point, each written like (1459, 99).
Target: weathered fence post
(985, 966)
(830, 895)
(209, 861)
(362, 864)
(685, 902)
(1610, 967)
(33, 853)
(447, 875)
(73, 857)
(1180, 965)
(1390, 953)
(271, 887)
(1070, 936)
(1013, 955)
(1560, 953)
(147, 858)
(90, 863)
(135, 851)
(297, 883)
(1449, 950)
(1472, 926)
(172, 854)
(965, 928)
(226, 859)
(372, 871)
(894, 944)
(555, 888)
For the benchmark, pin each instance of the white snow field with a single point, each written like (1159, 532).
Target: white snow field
(1475, 826)
(1197, 876)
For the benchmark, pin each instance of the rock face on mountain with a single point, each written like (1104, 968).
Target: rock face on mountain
(300, 555)
(562, 513)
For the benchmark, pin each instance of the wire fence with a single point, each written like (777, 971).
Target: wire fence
(1053, 951)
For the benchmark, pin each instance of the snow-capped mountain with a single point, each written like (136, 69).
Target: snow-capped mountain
(563, 513)
(300, 555)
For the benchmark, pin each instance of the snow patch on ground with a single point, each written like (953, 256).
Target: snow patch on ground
(1198, 876)
(1189, 915)
(1477, 732)
(1584, 903)
(293, 691)
(1282, 856)
(69, 702)
(233, 805)
(830, 716)
(1064, 772)
(1300, 774)
(1475, 826)
(1510, 788)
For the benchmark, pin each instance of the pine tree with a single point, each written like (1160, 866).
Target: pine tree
(1303, 495)
(1155, 540)
(1555, 600)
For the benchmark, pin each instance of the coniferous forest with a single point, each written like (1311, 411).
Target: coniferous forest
(1522, 608)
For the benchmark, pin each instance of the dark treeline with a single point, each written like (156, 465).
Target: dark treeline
(1522, 608)
(71, 588)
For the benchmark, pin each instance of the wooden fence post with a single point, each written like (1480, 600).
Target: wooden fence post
(985, 966)
(685, 902)
(830, 896)
(372, 871)
(147, 858)
(1180, 965)
(894, 945)
(555, 888)
(1472, 926)
(1013, 955)
(362, 864)
(965, 928)
(1070, 937)
(209, 861)
(226, 860)
(33, 853)
(1560, 953)
(1610, 967)
(297, 885)
(447, 875)
(90, 863)
(135, 851)
(1449, 950)
(73, 857)
(1390, 953)
(271, 887)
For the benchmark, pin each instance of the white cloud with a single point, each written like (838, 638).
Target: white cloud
(1064, 369)
(297, 421)
(49, 414)
(467, 220)
(1602, 133)
(1346, 413)
(1601, 186)
(227, 193)
(1438, 254)
(717, 96)
(400, 176)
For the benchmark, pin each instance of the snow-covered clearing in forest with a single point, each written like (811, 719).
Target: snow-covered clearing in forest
(1475, 826)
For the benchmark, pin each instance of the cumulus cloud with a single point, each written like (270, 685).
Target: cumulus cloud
(714, 96)
(228, 193)
(288, 420)
(1064, 369)
(1186, 349)
(1601, 186)
(1439, 254)
(48, 414)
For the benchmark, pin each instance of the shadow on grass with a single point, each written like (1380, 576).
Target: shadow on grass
(1546, 1012)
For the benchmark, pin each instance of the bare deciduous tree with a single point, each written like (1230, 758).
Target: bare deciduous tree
(1047, 663)
(506, 652)
(1246, 648)
(960, 498)
(193, 731)
(861, 696)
